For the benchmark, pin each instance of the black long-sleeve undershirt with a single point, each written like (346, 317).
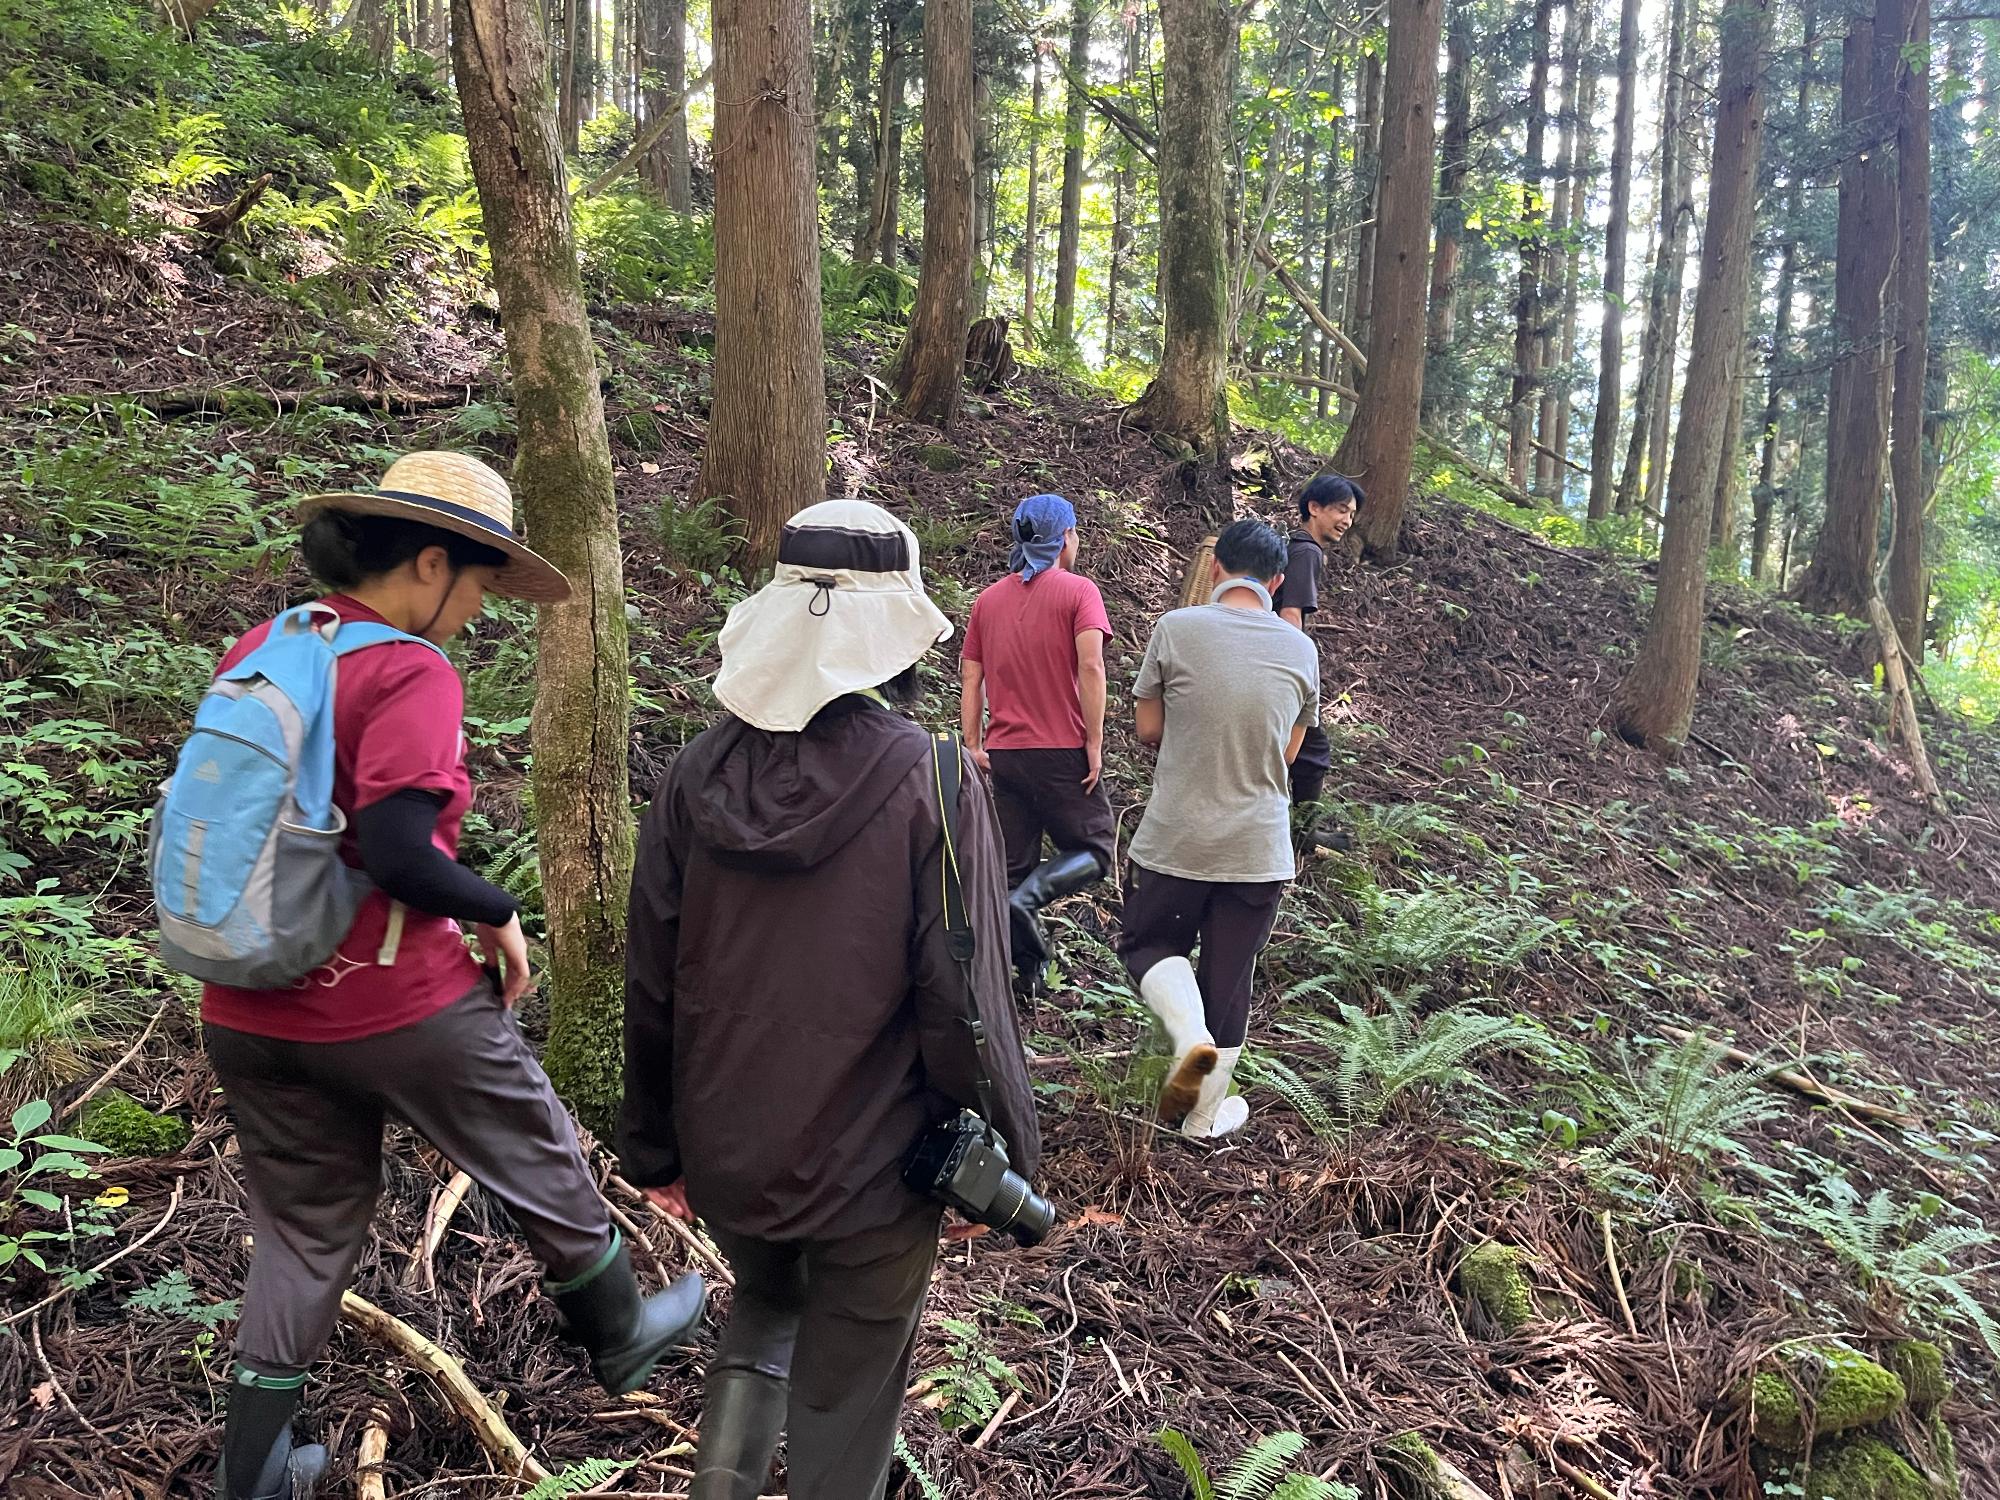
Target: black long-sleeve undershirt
(394, 840)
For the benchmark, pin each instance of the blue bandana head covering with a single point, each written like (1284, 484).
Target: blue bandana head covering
(1040, 524)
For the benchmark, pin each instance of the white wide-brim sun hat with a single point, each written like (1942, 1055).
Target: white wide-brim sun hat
(845, 611)
(455, 492)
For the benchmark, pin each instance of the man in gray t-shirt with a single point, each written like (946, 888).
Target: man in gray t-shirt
(1227, 691)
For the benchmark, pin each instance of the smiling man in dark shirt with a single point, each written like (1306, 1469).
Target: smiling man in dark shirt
(1327, 507)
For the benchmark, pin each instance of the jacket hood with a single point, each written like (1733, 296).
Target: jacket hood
(764, 800)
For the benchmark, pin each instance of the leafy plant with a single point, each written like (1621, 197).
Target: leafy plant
(1260, 1472)
(925, 1482)
(30, 1153)
(1415, 934)
(1682, 1108)
(175, 1296)
(970, 1383)
(699, 536)
(579, 1478)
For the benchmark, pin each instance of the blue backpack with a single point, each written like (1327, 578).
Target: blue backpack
(248, 883)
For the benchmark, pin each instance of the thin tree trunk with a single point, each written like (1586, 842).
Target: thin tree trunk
(1381, 440)
(928, 375)
(1654, 705)
(572, 38)
(879, 241)
(1329, 354)
(1124, 192)
(663, 63)
(1765, 495)
(767, 416)
(1729, 470)
(1032, 235)
(1075, 118)
(1368, 190)
(1527, 297)
(1907, 589)
(373, 26)
(1185, 399)
(985, 192)
(592, 90)
(1580, 167)
(1841, 576)
(1454, 166)
(1611, 338)
(562, 472)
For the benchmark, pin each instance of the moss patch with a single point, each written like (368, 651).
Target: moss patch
(1412, 1467)
(1920, 1366)
(1865, 1468)
(125, 1127)
(1492, 1277)
(941, 458)
(1847, 1391)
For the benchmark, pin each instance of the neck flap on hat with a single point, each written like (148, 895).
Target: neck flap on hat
(1041, 524)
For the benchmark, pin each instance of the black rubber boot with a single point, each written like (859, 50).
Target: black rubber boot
(627, 1336)
(742, 1415)
(1050, 880)
(259, 1461)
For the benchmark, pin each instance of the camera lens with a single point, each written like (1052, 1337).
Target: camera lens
(1022, 1212)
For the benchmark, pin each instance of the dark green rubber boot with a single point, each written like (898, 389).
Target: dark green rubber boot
(259, 1460)
(625, 1334)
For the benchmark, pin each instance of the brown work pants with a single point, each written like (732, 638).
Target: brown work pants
(309, 1119)
(1229, 921)
(1040, 792)
(839, 1317)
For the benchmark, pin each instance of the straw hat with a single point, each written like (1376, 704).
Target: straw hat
(845, 611)
(454, 492)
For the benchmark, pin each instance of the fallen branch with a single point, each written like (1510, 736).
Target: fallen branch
(1581, 1480)
(215, 224)
(1902, 706)
(437, 1219)
(55, 1385)
(487, 1424)
(89, 1277)
(697, 1246)
(647, 138)
(1617, 1281)
(1805, 1084)
(369, 1482)
(216, 401)
(1006, 1409)
(116, 1068)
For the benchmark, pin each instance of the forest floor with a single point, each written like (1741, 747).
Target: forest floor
(1513, 866)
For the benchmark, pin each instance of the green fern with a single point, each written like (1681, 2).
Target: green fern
(1181, 1450)
(1683, 1108)
(1259, 1472)
(1260, 1467)
(1415, 934)
(1306, 1100)
(931, 1488)
(579, 1478)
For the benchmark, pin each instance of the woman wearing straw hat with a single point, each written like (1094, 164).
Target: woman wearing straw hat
(794, 1015)
(402, 1021)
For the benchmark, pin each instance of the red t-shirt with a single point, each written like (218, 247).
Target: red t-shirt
(1024, 636)
(398, 710)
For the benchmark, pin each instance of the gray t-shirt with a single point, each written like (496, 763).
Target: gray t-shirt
(1235, 682)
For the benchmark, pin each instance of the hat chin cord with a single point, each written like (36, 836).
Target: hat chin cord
(450, 588)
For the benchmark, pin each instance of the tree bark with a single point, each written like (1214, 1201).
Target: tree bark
(767, 417)
(1368, 193)
(1031, 235)
(1572, 156)
(1329, 355)
(1908, 588)
(880, 240)
(928, 375)
(1841, 576)
(562, 472)
(1527, 298)
(1381, 440)
(1611, 338)
(1454, 167)
(373, 27)
(1729, 470)
(1185, 399)
(1765, 495)
(985, 192)
(1654, 705)
(1062, 323)
(569, 118)
(663, 71)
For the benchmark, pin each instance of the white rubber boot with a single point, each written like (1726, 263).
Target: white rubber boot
(1171, 993)
(1218, 1112)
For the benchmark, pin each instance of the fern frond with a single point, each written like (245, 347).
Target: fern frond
(1181, 1450)
(931, 1488)
(1254, 1475)
(577, 1478)
(1310, 1487)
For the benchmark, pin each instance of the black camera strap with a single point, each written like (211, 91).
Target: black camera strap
(948, 773)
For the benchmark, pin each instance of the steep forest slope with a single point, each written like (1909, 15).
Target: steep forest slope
(1498, 1190)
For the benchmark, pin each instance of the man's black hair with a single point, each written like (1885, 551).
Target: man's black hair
(1329, 489)
(1250, 547)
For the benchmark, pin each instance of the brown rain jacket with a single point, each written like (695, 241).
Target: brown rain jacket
(793, 1020)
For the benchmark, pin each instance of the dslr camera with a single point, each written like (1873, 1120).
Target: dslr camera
(963, 1163)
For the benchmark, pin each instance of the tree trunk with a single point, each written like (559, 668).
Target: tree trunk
(1729, 470)
(766, 453)
(1381, 440)
(1063, 321)
(562, 472)
(1841, 576)
(1031, 235)
(592, 86)
(1907, 591)
(567, 67)
(663, 66)
(1368, 192)
(1654, 705)
(1527, 298)
(373, 27)
(928, 375)
(879, 241)
(1657, 343)
(1454, 166)
(1558, 346)
(1580, 167)
(1185, 399)
(1611, 339)
(985, 192)
(1765, 495)
(1329, 353)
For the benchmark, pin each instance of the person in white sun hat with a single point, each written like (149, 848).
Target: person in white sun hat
(795, 1015)
(399, 1020)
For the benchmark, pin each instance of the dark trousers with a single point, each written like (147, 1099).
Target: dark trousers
(1230, 921)
(309, 1119)
(1039, 792)
(839, 1317)
(1310, 766)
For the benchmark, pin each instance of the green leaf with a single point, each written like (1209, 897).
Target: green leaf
(68, 1143)
(32, 1116)
(40, 1199)
(10, 1158)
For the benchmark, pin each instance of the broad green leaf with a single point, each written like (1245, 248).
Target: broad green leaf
(32, 1116)
(68, 1143)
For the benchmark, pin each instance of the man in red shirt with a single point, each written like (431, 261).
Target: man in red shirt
(1032, 711)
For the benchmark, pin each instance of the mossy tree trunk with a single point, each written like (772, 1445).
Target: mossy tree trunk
(1185, 399)
(1909, 449)
(766, 453)
(1654, 705)
(928, 374)
(562, 471)
(1382, 438)
(1069, 235)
